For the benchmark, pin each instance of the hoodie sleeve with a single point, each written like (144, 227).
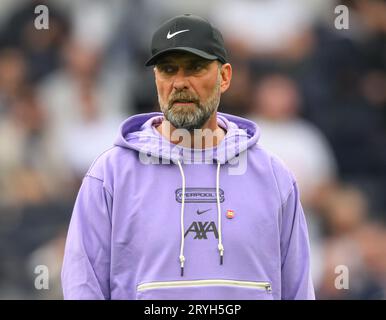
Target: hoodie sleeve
(86, 265)
(295, 251)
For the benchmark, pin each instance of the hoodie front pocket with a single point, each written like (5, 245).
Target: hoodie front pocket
(209, 289)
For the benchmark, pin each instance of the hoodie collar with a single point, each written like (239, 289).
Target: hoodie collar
(138, 133)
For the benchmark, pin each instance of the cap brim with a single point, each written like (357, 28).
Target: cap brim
(202, 54)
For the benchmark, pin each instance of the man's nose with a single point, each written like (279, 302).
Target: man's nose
(181, 80)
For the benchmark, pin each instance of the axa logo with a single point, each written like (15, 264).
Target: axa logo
(201, 229)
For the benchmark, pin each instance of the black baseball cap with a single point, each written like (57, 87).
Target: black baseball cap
(188, 33)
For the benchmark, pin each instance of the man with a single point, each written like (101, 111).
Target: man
(187, 205)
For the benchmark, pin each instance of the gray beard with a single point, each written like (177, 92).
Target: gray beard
(192, 117)
(189, 119)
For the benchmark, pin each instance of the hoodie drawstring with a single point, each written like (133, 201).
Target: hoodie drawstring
(182, 258)
(220, 245)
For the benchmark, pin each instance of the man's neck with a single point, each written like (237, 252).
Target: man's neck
(209, 136)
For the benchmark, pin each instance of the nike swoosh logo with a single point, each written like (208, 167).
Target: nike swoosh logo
(171, 35)
(201, 212)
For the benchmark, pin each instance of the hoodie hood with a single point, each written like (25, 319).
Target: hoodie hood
(138, 132)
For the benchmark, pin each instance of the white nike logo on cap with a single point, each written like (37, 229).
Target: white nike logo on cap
(171, 35)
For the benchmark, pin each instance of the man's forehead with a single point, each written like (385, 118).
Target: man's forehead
(181, 57)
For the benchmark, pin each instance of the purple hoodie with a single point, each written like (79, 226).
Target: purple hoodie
(153, 221)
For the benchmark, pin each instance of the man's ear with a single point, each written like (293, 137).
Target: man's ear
(156, 73)
(226, 77)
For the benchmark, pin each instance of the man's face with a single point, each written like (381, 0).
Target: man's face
(189, 89)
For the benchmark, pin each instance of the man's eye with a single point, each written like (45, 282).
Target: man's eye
(197, 67)
(168, 69)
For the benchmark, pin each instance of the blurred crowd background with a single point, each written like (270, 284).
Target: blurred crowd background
(317, 93)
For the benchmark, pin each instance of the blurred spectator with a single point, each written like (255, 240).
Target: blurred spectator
(371, 39)
(84, 104)
(41, 47)
(275, 107)
(274, 29)
(342, 81)
(29, 157)
(355, 243)
(346, 209)
(236, 99)
(362, 285)
(12, 76)
(372, 242)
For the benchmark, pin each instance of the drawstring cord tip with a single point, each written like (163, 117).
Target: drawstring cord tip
(182, 260)
(221, 249)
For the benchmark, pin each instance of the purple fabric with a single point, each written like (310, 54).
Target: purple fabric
(125, 227)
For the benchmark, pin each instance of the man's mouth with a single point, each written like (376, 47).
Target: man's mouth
(183, 102)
